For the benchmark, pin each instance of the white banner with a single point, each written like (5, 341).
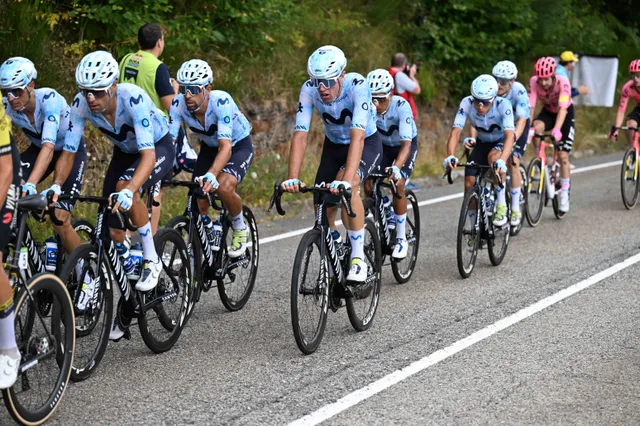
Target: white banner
(599, 74)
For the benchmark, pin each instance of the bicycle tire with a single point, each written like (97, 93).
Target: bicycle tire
(555, 202)
(523, 200)
(501, 237)
(374, 261)
(84, 228)
(181, 224)
(629, 200)
(237, 301)
(170, 282)
(462, 245)
(538, 188)
(85, 365)
(403, 275)
(63, 357)
(310, 241)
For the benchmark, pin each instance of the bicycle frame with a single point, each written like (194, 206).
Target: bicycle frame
(636, 147)
(379, 213)
(547, 178)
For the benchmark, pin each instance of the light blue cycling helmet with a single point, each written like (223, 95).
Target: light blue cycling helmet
(196, 72)
(484, 87)
(380, 82)
(97, 70)
(16, 73)
(326, 62)
(506, 70)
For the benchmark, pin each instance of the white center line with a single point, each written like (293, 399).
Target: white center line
(330, 410)
(437, 200)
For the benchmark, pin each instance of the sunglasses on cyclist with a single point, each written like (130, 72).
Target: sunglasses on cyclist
(96, 93)
(484, 102)
(15, 93)
(503, 81)
(328, 83)
(193, 90)
(379, 99)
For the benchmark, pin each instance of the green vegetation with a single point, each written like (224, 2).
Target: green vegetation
(259, 48)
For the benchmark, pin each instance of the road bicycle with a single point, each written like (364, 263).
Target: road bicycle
(629, 178)
(318, 280)
(45, 332)
(161, 312)
(475, 229)
(402, 268)
(234, 277)
(543, 182)
(515, 230)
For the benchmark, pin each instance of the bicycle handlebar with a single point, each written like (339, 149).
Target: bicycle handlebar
(394, 186)
(345, 197)
(102, 201)
(197, 189)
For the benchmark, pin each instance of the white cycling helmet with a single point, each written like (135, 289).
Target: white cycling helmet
(16, 73)
(506, 70)
(97, 70)
(196, 72)
(326, 62)
(380, 82)
(484, 87)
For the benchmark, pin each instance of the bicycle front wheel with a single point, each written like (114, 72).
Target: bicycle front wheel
(522, 201)
(403, 269)
(362, 308)
(468, 233)
(536, 192)
(181, 224)
(165, 307)
(629, 179)
(46, 349)
(309, 293)
(500, 242)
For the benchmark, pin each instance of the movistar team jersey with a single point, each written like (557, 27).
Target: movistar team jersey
(397, 124)
(5, 132)
(490, 126)
(139, 124)
(51, 118)
(352, 109)
(223, 119)
(519, 99)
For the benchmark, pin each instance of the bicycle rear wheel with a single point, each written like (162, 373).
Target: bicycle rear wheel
(556, 199)
(84, 228)
(536, 192)
(162, 324)
(94, 323)
(403, 269)
(468, 239)
(500, 242)
(362, 308)
(309, 293)
(47, 355)
(181, 224)
(237, 285)
(629, 179)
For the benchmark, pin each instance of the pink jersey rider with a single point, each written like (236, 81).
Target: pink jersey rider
(552, 100)
(629, 90)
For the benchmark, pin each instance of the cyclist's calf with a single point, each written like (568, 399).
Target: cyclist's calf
(68, 236)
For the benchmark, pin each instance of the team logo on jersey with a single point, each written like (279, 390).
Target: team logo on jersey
(49, 95)
(145, 122)
(121, 136)
(213, 129)
(76, 101)
(222, 101)
(355, 81)
(299, 107)
(135, 101)
(490, 130)
(227, 119)
(328, 118)
(52, 118)
(389, 132)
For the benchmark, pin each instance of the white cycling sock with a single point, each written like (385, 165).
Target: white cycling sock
(356, 238)
(237, 222)
(515, 199)
(500, 198)
(7, 332)
(401, 222)
(148, 247)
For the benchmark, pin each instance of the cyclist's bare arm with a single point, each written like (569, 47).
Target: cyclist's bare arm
(355, 154)
(520, 123)
(296, 153)
(223, 156)
(403, 154)
(562, 114)
(42, 162)
(454, 137)
(63, 168)
(509, 142)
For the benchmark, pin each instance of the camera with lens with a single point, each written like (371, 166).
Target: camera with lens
(408, 67)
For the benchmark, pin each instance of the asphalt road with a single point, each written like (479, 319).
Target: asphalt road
(575, 362)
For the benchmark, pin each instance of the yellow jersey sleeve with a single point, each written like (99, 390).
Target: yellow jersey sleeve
(5, 127)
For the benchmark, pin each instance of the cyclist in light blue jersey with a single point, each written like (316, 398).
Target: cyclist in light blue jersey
(43, 116)
(506, 73)
(399, 137)
(143, 150)
(227, 149)
(493, 121)
(352, 147)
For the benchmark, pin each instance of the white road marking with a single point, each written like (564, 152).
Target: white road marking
(330, 410)
(297, 232)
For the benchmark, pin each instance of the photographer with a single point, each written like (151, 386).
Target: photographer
(404, 75)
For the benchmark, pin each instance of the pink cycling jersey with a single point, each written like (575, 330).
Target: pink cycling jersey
(558, 97)
(629, 90)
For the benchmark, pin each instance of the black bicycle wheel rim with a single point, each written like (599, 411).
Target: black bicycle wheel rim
(465, 267)
(92, 334)
(523, 200)
(536, 192)
(629, 182)
(403, 269)
(498, 245)
(234, 295)
(181, 224)
(362, 311)
(60, 362)
(317, 298)
(161, 326)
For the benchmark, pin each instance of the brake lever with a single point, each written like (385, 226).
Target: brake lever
(51, 212)
(345, 196)
(275, 199)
